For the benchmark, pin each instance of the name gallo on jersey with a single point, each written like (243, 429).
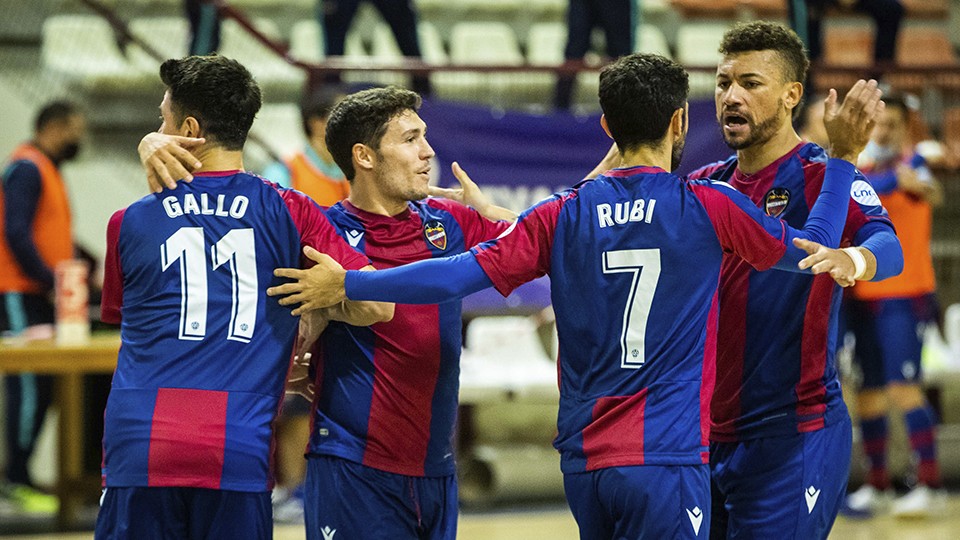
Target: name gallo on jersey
(190, 205)
(624, 212)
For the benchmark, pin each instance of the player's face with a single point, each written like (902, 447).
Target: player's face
(403, 159)
(169, 124)
(750, 96)
(891, 130)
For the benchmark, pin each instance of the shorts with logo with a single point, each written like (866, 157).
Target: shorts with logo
(640, 502)
(343, 500)
(781, 487)
(160, 513)
(889, 336)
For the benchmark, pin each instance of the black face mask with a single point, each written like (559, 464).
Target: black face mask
(69, 151)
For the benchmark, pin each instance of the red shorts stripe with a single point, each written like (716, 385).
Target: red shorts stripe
(187, 438)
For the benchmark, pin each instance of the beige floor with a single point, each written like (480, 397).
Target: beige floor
(558, 525)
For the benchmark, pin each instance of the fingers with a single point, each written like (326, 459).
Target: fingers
(188, 142)
(185, 157)
(446, 193)
(173, 165)
(830, 104)
(461, 175)
(155, 165)
(292, 273)
(286, 288)
(809, 246)
(315, 255)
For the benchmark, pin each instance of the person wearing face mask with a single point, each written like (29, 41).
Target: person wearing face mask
(36, 235)
(889, 319)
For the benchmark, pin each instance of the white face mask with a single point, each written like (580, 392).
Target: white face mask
(879, 154)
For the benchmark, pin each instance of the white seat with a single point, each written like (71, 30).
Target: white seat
(697, 45)
(83, 49)
(306, 41)
(168, 36)
(280, 128)
(651, 40)
(272, 73)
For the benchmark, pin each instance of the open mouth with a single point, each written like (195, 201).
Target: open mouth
(734, 121)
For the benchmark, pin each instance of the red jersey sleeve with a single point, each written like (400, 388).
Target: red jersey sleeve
(522, 252)
(112, 295)
(741, 227)
(476, 228)
(319, 233)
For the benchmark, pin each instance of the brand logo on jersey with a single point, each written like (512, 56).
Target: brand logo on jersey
(696, 519)
(909, 370)
(436, 234)
(354, 237)
(776, 201)
(328, 533)
(811, 494)
(863, 193)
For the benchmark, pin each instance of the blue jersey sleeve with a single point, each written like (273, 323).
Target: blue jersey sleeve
(21, 192)
(431, 281)
(880, 239)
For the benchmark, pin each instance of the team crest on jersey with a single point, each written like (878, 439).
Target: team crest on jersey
(436, 234)
(776, 201)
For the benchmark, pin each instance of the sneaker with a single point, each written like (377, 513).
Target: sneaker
(866, 501)
(920, 502)
(28, 500)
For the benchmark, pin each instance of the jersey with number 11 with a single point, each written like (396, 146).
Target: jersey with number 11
(634, 262)
(204, 352)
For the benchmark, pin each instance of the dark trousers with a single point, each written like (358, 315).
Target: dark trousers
(28, 396)
(337, 15)
(887, 14)
(204, 26)
(615, 17)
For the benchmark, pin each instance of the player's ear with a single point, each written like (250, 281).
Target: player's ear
(792, 94)
(190, 127)
(363, 157)
(603, 124)
(678, 121)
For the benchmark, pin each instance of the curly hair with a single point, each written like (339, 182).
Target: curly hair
(362, 118)
(219, 92)
(769, 36)
(639, 94)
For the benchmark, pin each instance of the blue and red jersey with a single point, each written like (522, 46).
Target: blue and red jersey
(776, 371)
(388, 393)
(634, 261)
(205, 353)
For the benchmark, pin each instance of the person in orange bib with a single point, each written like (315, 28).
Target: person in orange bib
(313, 171)
(36, 235)
(888, 319)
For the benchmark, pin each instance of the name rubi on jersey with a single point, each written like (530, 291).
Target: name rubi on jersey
(621, 213)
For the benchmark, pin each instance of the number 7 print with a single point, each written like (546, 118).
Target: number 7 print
(644, 265)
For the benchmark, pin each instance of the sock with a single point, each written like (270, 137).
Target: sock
(922, 428)
(875, 447)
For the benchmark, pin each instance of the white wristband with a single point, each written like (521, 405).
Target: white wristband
(859, 261)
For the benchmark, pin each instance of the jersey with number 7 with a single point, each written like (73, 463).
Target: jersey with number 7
(205, 353)
(634, 261)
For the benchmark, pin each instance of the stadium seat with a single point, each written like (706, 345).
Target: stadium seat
(650, 39)
(719, 9)
(698, 45)
(848, 46)
(168, 36)
(306, 41)
(83, 49)
(921, 46)
(278, 125)
(277, 78)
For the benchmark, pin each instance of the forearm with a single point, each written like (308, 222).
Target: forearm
(432, 281)
(826, 220)
(360, 313)
(883, 255)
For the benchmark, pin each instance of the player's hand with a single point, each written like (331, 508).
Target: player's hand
(317, 287)
(166, 159)
(823, 260)
(850, 124)
(468, 193)
(298, 382)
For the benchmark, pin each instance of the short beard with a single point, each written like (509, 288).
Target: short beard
(676, 154)
(759, 133)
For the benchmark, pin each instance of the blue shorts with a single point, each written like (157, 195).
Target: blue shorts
(781, 487)
(165, 513)
(890, 337)
(648, 501)
(362, 502)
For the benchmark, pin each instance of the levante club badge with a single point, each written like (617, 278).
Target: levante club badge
(436, 234)
(775, 201)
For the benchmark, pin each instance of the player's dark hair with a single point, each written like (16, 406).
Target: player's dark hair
(362, 118)
(318, 104)
(219, 92)
(639, 94)
(769, 36)
(55, 111)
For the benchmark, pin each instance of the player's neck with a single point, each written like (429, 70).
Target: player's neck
(647, 157)
(218, 159)
(365, 196)
(758, 156)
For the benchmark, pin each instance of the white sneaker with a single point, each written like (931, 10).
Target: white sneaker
(920, 502)
(866, 501)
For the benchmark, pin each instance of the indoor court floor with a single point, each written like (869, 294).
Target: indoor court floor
(557, 524)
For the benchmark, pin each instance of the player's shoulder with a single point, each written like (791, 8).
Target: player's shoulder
(717, 169)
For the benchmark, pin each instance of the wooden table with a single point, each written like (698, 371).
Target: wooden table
(68, 363)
